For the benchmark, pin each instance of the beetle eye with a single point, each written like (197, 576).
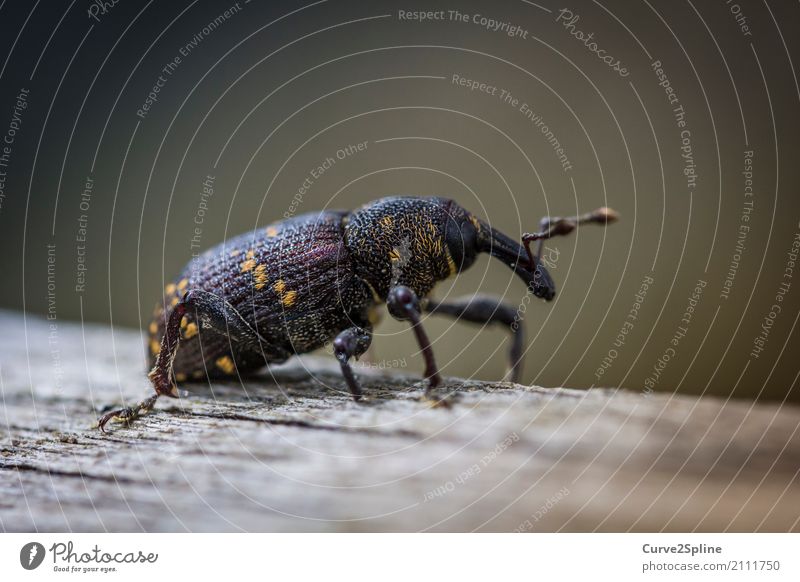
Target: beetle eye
(461, 237)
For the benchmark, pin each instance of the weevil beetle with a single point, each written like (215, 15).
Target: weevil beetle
(294, 286)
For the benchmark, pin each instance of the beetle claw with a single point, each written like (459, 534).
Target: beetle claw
(127, 414)
(437, 401)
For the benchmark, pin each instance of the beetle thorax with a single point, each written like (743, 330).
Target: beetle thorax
(400, 241)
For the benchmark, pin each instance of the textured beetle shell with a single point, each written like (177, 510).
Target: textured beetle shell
(293, 282)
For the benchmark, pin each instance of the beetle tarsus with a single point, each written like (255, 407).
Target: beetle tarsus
(127, 414)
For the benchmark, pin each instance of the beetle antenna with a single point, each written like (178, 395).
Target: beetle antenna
(557, 226)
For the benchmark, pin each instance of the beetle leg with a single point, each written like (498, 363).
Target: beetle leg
(210, 311)
(544, 224)
(485, 309)
(160, 375)
(350, 343)
(403, 304)
(557, 226)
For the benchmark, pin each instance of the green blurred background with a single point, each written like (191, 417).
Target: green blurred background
(264, 93)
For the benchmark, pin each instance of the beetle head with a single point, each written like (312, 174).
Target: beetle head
(466, 236)
(461, 236)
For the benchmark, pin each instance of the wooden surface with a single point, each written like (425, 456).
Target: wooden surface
(292, 452)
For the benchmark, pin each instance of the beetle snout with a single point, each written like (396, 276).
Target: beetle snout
(539, 282)
(544, 286)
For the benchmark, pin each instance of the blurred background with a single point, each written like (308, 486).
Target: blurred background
(138, 133)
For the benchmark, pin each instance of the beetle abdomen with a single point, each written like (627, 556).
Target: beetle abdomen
(293, 282)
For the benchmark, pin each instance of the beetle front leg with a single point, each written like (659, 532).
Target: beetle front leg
(485, 309)
(351, 343)
(211, 312)
(403, 304)
(557, 226)
(160, 375)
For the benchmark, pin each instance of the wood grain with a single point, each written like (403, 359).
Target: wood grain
(289, 451)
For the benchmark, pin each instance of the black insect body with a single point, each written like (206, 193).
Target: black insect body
(295, 285)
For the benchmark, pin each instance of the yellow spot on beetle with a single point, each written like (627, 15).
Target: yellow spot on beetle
(475, 223)
(289, 298)
(225, 363)
(374, 315)
(260, 276)
(375, 296)
(250, 254)
(155, 347)
(387, 222)
(451, 264)
(183, 284)
(184, 322)
(190, 332)
(180, 377)
(170, 289)
(248, 265)
(174, 301)
(272, 231)
(153, 327)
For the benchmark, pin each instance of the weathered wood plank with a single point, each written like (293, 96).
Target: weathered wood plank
(293, 452)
